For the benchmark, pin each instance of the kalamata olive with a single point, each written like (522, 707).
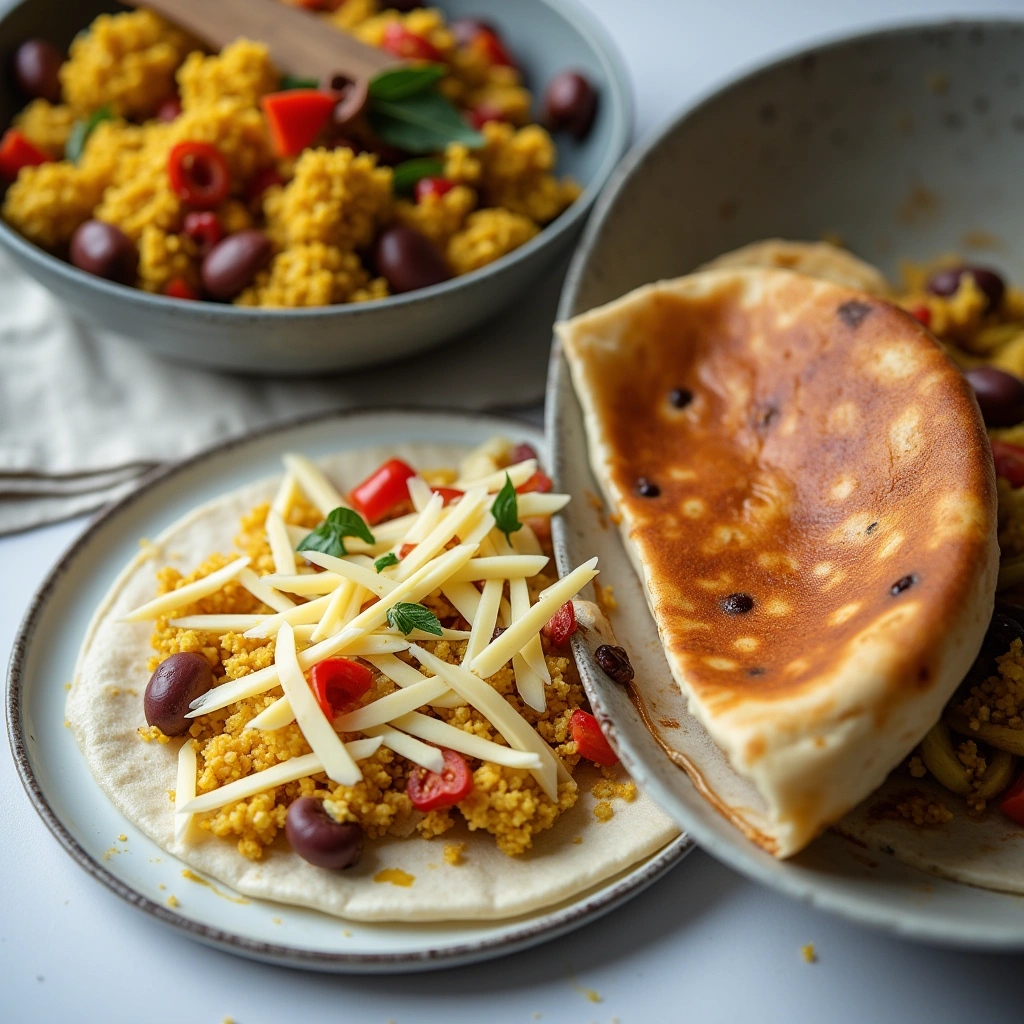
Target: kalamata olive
(946, 282)
(408, 260)
(614, 662)
(466, 30)
(315, 836)
(1000, 395)
(570, 102)
(230, 266)
(177, 681)
(36, 64)
(104, 250)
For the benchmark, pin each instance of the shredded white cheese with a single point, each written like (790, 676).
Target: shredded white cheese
(184, 788)
(264, 592)
(280, 543)
(409, 747)
(433, 730)
(320, 491)
(189, 593)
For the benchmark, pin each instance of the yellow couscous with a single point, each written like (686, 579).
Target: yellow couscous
(173, 150)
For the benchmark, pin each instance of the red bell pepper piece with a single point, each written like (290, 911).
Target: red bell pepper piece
(17, 152)
(448, 494)
(430, 791)
(432, 187)
(296, 117)
(1009, 460)
(590, 741)
(338, 683)
(1012, 802)
(382, 490)
(561, 625)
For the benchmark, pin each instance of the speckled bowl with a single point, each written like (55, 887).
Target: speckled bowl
(904, 143)
(547, 36)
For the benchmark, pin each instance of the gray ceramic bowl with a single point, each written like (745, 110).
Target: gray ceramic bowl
(547, 36)
(906, 143)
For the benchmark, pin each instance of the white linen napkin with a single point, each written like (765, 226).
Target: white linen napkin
(84, 413)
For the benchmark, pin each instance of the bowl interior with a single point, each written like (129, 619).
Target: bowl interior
(905, 144)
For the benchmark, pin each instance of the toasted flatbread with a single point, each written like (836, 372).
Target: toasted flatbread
(803, 482)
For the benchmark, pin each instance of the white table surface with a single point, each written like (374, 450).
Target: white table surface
(702, 945)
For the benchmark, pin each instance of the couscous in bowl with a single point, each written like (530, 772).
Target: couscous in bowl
(261, 337)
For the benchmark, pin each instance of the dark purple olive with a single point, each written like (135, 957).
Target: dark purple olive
(570, 102)
(315, 836)
(614, 662)
(408, 260)
(230, 266)
(101, 249)
(466, 30)
(946, 282)
(36, 66)
(177, 681)
(1000, 395)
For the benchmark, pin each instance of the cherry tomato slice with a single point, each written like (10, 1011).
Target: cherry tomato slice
(922, 314)
(338, 683)
(1009, 460)
(430, 791)
(561, 625)
(261, 181)
(448, 494)
(296, 117)
(432, 188)
(17, 152)
(540, 482)
(408, 45)
(590, 741)
(1012, 802)
(382, 490)
(199, 174)
(204, 228)
(179, 288)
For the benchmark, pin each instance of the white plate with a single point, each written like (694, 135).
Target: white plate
(88, 826)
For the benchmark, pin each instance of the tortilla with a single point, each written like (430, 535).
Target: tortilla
(105, 710)
(820, 556)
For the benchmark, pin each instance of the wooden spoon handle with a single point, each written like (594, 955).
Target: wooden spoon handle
(299, 42)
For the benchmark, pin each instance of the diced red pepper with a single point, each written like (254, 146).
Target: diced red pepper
(432, 188)
(1009, 460)
(338, 683)
(430, 791)
(382, 490)
(923, 314)
(561, 625)
(540, 482)
(296, 117)
(408, 45)
(17, 152)
(169, 110)
(204, 228)
(484, 112)
(199, 174)
(448, 494)
(405, 550)
(179, 288)
(590, 741)
(1012, 802)
(261, 181)
(489, 44)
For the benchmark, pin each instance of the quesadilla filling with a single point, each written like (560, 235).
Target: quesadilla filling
(973, 751)
(377, 664)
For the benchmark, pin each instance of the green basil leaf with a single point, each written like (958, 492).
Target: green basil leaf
(401, 83)
(298, 82)
(426, 123)
(329, 537)
(506, 509)
(385, 560)
(407, 617)
(408, 172)
(81, 130)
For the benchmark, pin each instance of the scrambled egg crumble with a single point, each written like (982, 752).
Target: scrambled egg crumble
(505, 802)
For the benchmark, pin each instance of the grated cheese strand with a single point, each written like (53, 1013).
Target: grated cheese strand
(464, 597)
(447, 529)
(281, 549)
(430, 515)
(518, 634)
(316, 729)
(409, 747)
(486, 619)
(305, 584)
(263, 592)
(419, 492)
(219, 624)
(493, 482)
(320, 491)
(401, 673)
(533, 503)
(401, 702)
(285, 496)
(189, 593)
(500, 567)
(332, 616)
(184, 788)
(301, 614)
(433, 730)
(368, 578)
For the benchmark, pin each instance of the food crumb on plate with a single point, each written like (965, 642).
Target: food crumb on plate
(578, 840)
(123, 838)
(396, 876)
(172, 900)
(67, 686)
(453, 853)
(275, 920)
(810, 957)
(603, 811)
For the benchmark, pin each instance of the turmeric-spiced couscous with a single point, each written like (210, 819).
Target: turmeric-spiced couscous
(147, 161)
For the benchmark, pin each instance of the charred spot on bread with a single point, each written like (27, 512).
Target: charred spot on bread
(903, 583)
(737, 604)
(680, 398)
(853, 312)
(647, 488)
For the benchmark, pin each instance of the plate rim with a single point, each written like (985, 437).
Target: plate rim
(535, 928)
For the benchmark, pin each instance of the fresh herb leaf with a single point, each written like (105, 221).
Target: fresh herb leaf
(401, 83)
(298, 82)
(81, 130)
(425, 123)
(409, 172)
(506, 509)
(329, 537)
(385, 560)
(407, 617)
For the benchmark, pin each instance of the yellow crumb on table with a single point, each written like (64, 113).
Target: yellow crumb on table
(148, 733)
(604, 811)
(123, 838)
(453, 853)
(275, 920)
(172, 900)
(161, 886)
(578, 841)
(810, 957)
(67, 686)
